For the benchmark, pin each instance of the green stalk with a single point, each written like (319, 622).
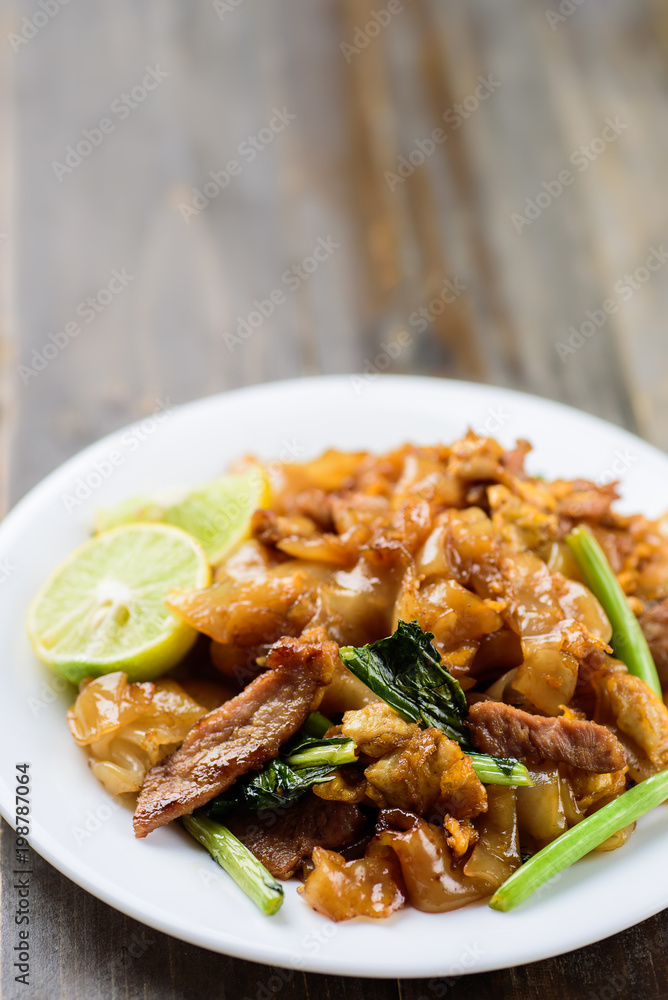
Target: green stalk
(580, 840)
(316, 725)
(491, 773)
(250, 875)
(316, 756)
(628, 640)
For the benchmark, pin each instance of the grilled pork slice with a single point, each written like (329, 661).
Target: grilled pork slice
(241, 735)
(654, 623)
(508, 732)
(283, 840)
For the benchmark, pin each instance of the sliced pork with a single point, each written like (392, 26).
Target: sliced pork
(282, 840)
(508, 732)
(654, 623)
(241, 735)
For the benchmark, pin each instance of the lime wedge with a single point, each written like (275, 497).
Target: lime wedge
(216, 514)
(103, 608)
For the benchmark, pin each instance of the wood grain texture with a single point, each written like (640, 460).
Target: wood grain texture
(178, 331)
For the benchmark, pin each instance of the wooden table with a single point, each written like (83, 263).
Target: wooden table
(500, 167)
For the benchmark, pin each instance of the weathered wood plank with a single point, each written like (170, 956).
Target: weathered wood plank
(178, 330)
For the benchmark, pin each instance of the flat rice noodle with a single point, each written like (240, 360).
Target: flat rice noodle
(559, 559)
(346, 693)
(249, 612)
(587, 793)
(238, 664)
(371, 886)
(497, 653)
(547, 677)
(502, 689)
(590, 791)
(333, 470)
(356, 603)
(547, 808)
(106, 703)
(127, 728)
(569, 800)
(638, 763)
(616, 840)
(528, 586)
(472, 549)
(578, 602)
(325, 548)
(432, 558)
(497, 854)
(433, 882)
(454, 613)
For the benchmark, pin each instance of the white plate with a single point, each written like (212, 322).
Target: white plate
(167, 881)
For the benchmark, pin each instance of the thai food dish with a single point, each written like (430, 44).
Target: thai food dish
(415, 672)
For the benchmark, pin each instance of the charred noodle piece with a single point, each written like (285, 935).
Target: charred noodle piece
(429, 773)
(371, 886)
(406, 671)
(628, 639)
(241, 735)
(580, 840)
(283, 838)
(501, 729)
(250, 874)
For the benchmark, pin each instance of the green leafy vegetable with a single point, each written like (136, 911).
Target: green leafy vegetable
(628, 640)
(250, 875)
(580, 840)
(303, 762)
(406, 671)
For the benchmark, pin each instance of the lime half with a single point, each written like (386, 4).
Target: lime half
(217, 514)
(103, 608)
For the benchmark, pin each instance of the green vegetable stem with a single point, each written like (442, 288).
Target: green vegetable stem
(250, 875)
(303, 762)
(580, 840)
(628, 640)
